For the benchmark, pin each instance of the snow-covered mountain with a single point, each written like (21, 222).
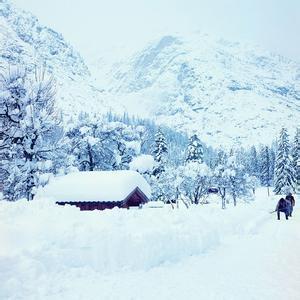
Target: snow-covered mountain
(25, 42)
(225, 91)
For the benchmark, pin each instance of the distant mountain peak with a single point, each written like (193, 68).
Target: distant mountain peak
(227, 91)
(47, 45)
(24, 42)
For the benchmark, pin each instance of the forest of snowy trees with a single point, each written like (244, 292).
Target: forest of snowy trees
(37, 144)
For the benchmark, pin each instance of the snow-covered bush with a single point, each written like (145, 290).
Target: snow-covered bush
(144, 164)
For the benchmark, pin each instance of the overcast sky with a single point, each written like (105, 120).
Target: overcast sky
(93, 25)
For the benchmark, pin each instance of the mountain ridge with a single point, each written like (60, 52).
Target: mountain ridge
(213, 87)
(27, 44)
(226, 92)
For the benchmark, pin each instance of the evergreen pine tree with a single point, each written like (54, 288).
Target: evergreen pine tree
(266, 175)
(284, 173)
(272, 161)
(194, 150)
(253, 162)
(296, 160)
(160, 152)
(235, 176)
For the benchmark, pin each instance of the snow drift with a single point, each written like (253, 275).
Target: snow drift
(46, 250)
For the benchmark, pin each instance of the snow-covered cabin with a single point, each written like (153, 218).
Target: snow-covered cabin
(98, 190)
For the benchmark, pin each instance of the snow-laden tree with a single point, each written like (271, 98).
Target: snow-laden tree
(13, 183)
(160, 151)
(284, 172)
(222, 157)
(147, 130)
(252, 183)
(29, 127)
(242, 157)
(266, 168)
(163, 187)
(194, 150)
(85, 143)
(220, 176)
(253, 163)
(196, 179)
(221, 180)
(103, 146)
(296, 160)
(231, 179)
(124, 140)
(235, 177)
(272, 161)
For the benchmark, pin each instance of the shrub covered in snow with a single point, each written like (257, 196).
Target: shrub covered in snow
(143, 164)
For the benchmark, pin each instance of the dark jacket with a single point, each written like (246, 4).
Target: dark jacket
(283, 205)
(291, 199)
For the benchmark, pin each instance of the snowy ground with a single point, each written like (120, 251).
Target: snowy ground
(51, 252)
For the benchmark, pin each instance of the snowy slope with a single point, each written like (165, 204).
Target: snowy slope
(25, 42)
(53, 252)
(227, 92)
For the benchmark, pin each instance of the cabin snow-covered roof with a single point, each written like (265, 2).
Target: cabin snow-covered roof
(102, 186)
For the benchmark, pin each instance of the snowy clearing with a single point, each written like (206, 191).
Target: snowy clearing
(52, 252)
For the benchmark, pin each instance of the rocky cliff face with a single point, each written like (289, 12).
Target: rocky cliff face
(225, 91)
(25, 40)
(25, 43)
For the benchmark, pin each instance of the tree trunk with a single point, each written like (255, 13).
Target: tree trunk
(222, 192)
(223, 202)
(91, 160)
(184, 202)
(234, 200)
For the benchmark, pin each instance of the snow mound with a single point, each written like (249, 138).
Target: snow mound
(94, 186)
(143, 163)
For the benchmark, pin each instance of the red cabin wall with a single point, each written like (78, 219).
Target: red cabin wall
(136, 198)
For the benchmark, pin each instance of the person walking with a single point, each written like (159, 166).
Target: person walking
(290, 198)
(283, 206)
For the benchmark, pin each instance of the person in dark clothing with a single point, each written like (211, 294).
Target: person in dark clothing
(283, 206)
(291, 199)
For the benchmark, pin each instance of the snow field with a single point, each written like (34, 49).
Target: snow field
(45, 247)
(42, 228)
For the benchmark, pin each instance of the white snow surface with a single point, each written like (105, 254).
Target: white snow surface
(53, 252)
(143, 163)
(94, 186)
